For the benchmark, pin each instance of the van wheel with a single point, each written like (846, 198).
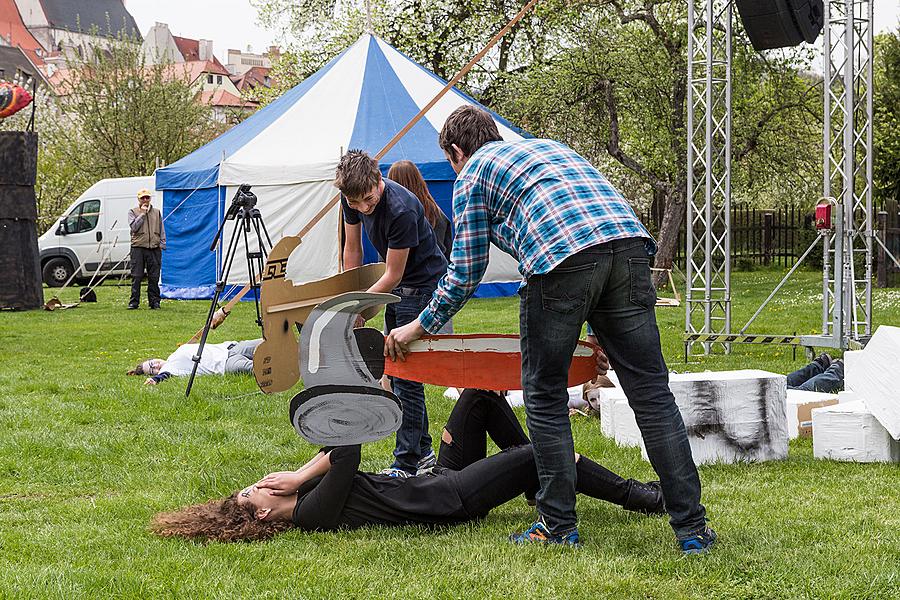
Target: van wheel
(57, 271)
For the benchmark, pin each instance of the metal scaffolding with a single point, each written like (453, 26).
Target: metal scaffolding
(847, 174)
(847, 178)
(708, 294)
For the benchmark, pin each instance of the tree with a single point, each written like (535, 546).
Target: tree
(608, 77)
(887, 116)
(114, 115)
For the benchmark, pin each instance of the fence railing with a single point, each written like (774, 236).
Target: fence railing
(779, 237)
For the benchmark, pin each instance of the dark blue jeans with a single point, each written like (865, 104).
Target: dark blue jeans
(413, 439)
(814, 378)
(609, 286)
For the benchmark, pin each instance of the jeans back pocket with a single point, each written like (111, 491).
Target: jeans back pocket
(564, 289)
(642, 291)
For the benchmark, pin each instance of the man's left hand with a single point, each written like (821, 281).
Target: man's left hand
(396, 344)
(602, 362)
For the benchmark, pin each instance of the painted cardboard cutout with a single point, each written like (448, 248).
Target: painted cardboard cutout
(483, 361)
(343, 402)
(284, 305)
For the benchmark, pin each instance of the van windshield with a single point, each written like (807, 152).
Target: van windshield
(83, 217)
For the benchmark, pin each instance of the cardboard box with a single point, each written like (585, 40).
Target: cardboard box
(800, 404)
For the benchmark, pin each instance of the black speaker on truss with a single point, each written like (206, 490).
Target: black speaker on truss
(781, 23)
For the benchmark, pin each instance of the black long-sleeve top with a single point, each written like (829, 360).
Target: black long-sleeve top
(347, 498)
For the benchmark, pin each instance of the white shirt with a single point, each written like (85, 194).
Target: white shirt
(212, 361)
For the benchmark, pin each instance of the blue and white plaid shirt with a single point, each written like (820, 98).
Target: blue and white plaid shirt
(538, 201)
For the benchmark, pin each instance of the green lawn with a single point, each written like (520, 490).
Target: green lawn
(88, 455)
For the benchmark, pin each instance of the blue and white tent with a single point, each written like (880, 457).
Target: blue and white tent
(288, 152)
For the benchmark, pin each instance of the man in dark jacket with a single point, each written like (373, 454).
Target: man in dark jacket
(148, 240)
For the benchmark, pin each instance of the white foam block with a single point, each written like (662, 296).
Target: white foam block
(626, 432)
(607, 400)
(852, 368)
(516, 398)
(873, 375)
(845, 397)
(851, 432)
(733, 416)
(800, 403)
(451, 393)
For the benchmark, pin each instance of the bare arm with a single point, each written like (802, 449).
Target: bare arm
(352, 245)
(395, 265)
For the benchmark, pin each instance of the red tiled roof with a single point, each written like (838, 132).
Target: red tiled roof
(254, 77)
(194, 69)
(222, 98)
(13, 30)
(190, 50)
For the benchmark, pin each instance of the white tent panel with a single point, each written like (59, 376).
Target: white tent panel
(306, 142)
(423, 87)
(286, 209)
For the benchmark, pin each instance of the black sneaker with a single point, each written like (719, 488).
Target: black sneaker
(154, 306)
(824, 360)
(132, 306)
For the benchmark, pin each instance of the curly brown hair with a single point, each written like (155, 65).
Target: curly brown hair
(216, 521)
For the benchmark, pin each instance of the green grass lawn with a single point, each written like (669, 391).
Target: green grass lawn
(88, 455)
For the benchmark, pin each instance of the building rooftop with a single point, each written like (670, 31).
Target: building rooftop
(108, 16)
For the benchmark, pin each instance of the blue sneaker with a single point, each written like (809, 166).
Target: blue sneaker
(539, 534)
(699, 543)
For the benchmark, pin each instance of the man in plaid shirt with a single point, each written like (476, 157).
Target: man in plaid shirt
(584, 257)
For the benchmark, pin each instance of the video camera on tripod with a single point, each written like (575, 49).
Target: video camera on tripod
(246, 216)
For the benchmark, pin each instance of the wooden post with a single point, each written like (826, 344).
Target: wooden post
(882, 258)
(768, 226)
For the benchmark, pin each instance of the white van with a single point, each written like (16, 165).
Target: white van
(93, 235)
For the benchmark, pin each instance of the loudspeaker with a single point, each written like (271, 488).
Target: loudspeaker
(20, 265)
(781, 23)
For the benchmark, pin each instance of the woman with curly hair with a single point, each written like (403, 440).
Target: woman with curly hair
(329, 492)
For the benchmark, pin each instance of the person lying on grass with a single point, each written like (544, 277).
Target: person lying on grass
(217, 359)
(330, 493)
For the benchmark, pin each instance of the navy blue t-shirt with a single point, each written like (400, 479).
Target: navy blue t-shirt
(398, 222)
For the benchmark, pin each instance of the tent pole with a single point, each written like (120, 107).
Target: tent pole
(399, 135)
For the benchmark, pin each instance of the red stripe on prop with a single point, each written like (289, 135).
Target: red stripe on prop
(483, 361)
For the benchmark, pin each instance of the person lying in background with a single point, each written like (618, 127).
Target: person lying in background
(824, 374)
(217, 359)
(330, 493)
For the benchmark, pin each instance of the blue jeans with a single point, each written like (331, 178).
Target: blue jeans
(609, 286)
(814, 378)
(413, 439)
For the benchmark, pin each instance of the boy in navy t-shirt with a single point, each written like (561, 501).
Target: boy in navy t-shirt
(395, 224)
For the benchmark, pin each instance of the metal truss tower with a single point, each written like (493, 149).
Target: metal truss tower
(847, 174)
(708, 273)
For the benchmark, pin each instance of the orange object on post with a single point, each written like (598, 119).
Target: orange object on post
(483, 361)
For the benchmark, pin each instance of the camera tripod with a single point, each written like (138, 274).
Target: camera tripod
(247, 219)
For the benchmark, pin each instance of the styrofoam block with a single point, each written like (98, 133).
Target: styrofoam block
(516, 398)
(851, 432)
(607, 424)
(451, 393)
(626, 432)
(874, 377)
(845, 397)
(799, 405)
(733, 416)
(852, 370)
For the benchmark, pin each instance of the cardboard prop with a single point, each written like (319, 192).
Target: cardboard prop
(343, 402)
(284, 305)
(482, 361)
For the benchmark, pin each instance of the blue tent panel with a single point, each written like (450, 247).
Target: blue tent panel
(191, 221)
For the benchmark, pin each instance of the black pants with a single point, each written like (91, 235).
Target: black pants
(485, 483)
(149, 260)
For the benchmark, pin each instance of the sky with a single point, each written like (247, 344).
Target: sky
(232, 23)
